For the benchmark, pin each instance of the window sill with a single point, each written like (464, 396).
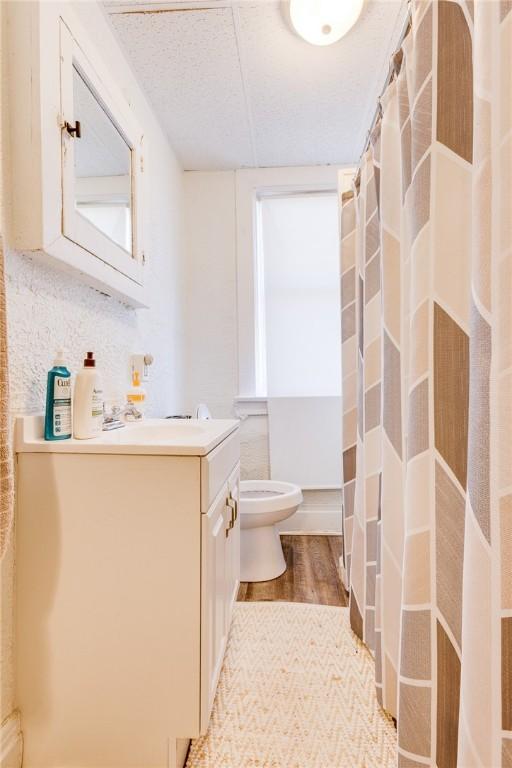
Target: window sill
(250, 406)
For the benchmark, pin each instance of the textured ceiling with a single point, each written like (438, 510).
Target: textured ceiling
(234, 87)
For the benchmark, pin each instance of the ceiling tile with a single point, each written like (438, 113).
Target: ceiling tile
(187, 64)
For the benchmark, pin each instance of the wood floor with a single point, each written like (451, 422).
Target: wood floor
(311, 575)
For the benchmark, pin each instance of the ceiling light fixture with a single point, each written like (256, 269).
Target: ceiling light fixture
(323, 22)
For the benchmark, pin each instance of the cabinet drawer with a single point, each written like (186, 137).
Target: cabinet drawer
(216, 468)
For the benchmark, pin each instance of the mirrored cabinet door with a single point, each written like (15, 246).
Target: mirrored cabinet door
(102, 167)
(99, 160)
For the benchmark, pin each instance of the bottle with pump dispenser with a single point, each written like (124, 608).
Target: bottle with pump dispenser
(88, 401)
(136, 397)
(57, 421)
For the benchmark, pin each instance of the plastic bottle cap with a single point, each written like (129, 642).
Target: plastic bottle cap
(60, 357)
(89, 361)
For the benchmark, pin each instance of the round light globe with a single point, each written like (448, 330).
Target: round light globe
(323, 22)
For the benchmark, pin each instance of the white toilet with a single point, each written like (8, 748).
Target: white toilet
(263, 503)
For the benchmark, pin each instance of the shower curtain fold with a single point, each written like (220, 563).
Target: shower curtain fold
(426, 263)
(6, 470)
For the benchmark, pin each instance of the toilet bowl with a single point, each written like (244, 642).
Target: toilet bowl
(263, 503)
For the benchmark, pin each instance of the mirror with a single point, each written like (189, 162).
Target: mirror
(102, 168)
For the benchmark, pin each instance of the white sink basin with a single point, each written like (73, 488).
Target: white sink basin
(150, 436)
(169, 432)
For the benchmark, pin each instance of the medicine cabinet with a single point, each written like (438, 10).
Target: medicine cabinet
(75, 153)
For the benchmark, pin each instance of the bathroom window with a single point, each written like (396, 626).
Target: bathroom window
(297, 342)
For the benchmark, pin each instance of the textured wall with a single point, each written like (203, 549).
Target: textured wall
(254, 452)
(47, 308)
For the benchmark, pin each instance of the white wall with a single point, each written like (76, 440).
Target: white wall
(211, 310)
(48, 308)
(210, 291)
(211, 363)
(211, 329)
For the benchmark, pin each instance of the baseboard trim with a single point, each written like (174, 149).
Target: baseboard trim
(11, 742)
(318, 521)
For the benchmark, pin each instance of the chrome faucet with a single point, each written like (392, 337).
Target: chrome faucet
(113, 419)
(131, 412)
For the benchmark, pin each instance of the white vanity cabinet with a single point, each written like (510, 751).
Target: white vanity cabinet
(127, 570)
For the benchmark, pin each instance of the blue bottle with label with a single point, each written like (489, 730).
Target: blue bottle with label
(57, 422)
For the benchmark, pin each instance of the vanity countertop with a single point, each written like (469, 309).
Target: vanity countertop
(165, 437)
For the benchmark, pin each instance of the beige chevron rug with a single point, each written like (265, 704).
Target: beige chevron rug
(296, 691)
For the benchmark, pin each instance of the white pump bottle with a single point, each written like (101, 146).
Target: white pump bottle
(88, 401)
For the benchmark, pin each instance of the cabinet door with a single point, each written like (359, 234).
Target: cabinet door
(101, 190)
(214, 625)
(233, 545)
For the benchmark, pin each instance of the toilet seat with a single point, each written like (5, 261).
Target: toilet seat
(263, 503)
(261, 497)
